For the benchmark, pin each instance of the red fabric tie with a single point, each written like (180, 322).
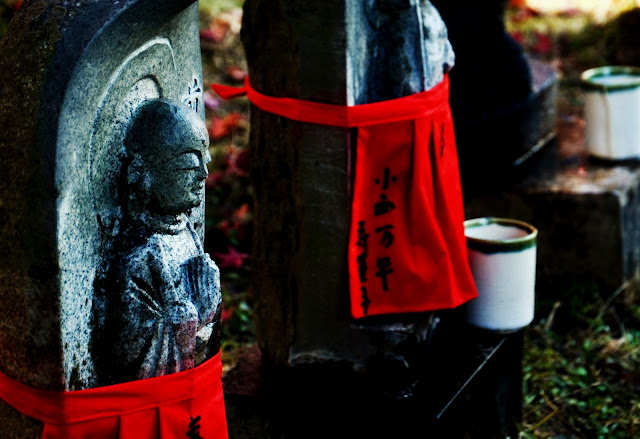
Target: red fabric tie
(407, 251)
(187, 404)
(411, 107)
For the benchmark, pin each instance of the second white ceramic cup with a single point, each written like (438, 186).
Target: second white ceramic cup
(612, 112)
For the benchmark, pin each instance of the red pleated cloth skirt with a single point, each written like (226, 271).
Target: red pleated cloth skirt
(187, 404)
(407, 250)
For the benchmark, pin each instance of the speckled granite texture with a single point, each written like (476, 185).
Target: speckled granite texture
(157, 292)
(71, 74)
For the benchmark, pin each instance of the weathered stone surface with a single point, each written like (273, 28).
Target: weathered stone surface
(414, 55)
(71, 75)
(157, 292)
(341, 53)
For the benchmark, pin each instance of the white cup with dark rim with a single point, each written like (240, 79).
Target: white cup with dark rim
(612, 112)
(502, 257)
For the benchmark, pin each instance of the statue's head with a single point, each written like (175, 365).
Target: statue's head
(167, 145)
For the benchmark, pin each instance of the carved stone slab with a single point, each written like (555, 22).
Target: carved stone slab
(72, 74)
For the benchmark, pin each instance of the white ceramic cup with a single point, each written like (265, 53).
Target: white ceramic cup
(502, 256)
(612, 111)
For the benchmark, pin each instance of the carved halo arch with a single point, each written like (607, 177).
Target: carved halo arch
(146, 49)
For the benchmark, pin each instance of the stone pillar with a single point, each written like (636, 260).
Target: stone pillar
(345, 53)
(71, 77)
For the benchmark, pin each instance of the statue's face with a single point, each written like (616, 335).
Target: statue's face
(169, 144)
(180, 183)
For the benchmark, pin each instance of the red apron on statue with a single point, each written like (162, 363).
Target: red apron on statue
(407, 251)
(187, 404)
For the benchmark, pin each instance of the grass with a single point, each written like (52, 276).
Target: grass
(582, 367)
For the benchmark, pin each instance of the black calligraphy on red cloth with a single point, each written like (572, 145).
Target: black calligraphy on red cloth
(194, 426)
(363, 244)
(383, 230)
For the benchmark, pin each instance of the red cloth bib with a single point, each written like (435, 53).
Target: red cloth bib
(407, 251)
(187, 404)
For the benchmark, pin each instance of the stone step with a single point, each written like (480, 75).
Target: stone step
(587, 212)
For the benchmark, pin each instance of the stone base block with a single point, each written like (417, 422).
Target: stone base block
(469, 386)
(587, 213)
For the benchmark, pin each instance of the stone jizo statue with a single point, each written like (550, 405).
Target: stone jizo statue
(158, 293)
(103, 277)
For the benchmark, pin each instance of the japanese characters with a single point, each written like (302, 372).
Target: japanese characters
(383, 229)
